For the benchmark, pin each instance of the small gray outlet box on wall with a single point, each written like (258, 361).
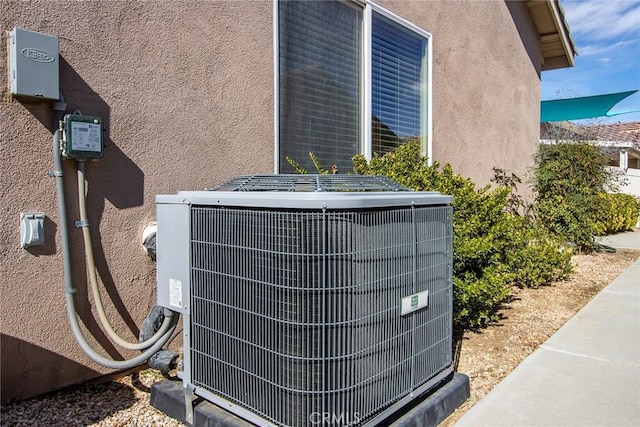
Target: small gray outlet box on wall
(34, 64)
(31, 229)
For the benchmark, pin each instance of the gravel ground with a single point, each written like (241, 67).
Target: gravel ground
(118, 403)
(487, 357)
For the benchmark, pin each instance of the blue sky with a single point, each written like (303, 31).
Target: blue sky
(607, 36)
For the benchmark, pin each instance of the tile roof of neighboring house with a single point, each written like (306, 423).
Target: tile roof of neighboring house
(618, 132)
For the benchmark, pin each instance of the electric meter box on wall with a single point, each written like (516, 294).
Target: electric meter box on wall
(82, 137)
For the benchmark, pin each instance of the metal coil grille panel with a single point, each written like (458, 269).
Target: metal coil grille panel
(296, 314)
(314, 183)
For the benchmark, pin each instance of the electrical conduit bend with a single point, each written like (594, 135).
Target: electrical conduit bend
(69, 289)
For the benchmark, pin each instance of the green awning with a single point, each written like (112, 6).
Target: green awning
(582, 108)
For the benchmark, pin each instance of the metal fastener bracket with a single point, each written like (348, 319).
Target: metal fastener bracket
(82, 223)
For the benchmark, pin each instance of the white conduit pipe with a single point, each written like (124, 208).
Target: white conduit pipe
(70, 290)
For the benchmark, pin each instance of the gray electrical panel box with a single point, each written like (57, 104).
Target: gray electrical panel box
(34, 64)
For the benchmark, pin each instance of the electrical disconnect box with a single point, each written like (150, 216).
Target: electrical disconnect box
(34, 64)
(82, 137)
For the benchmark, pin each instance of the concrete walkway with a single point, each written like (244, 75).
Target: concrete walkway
(586, 374)
(628, 240)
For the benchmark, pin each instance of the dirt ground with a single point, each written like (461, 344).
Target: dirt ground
(532, 316)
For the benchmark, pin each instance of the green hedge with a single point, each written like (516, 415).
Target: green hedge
(537, 258)
(617, 212)
(492, 248)
(569, 179)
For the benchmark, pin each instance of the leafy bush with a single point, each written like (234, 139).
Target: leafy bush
(516, 204)
(568, 179)
(492, 247)
(618, 212)
(536, 258)
(297, 168)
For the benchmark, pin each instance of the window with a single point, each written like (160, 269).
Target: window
(352, 78)
(320, 63)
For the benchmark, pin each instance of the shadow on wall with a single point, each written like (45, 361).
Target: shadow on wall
(25, 375)
(522, 19)
(115, 178)
(81, 405)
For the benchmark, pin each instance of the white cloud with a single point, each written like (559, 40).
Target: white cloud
(600, 48)
(603, 20)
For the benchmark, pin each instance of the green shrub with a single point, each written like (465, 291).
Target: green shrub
(492, 247)
(568, 179)
(477, 299)
(618, 212)
(536, 258)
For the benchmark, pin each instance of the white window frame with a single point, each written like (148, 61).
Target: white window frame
(366, 143)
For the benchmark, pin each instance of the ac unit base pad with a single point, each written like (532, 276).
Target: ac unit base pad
(427, 411)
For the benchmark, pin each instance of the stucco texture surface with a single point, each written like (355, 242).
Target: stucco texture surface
(186, 93)
(486, 85)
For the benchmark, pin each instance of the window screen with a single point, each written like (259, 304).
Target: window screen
(319, 77)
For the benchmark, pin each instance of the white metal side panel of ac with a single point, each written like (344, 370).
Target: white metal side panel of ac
(173, 256)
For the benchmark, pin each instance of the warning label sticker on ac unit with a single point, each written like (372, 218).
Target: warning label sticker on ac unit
(175, 293)
(414, 302)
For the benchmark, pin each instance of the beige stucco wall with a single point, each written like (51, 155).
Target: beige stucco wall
(486, 86)
(187, 95)
(186, 91)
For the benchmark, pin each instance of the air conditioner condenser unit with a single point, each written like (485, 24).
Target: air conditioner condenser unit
(308, 295)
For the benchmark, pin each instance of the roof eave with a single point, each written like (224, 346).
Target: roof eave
(557, 47)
